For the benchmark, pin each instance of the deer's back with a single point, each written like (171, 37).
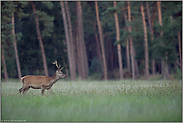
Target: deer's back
(36, 80)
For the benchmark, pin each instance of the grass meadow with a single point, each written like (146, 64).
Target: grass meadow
(113, 101)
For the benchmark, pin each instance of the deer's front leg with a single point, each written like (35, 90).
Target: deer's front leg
(48, 87)
(42, 89)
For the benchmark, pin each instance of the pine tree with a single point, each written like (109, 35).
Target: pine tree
(73, 70)
(69, 42)
(40, 41)
(145, 44)
(101, 40)
(164, 66)
(131, 42)
(118, 45)
(152, 34)
(83, 56)
(4, 65)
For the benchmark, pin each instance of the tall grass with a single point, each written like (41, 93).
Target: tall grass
(94, 101)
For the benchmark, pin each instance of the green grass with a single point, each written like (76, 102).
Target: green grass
(94, 101)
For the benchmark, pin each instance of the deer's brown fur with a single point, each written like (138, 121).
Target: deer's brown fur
(41, 82)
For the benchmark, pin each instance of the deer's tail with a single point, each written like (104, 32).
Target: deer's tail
(22, 79)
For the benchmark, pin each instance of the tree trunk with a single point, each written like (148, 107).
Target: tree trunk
(78, 54)
(180, 50)
(98, 48)
(136, 65)
(4, 65)
(131, 43)
(152, 34)
(70, 47)
(40, 41)
(84, 61)
(145, 44)
(15, 49)
(119, 45)
(164, 67)
(127, 53)
(101, 40)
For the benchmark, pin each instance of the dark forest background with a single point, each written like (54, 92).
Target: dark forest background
(96, 40)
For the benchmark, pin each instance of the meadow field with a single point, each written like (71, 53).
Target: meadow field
(111, 101)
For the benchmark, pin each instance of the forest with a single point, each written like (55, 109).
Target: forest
(98, 40)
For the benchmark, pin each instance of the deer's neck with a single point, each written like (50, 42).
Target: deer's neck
(54, 78)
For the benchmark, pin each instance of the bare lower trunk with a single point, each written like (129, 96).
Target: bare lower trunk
(127, 54)
(70, 48)
(145, 44)
(83, 55)
(101, 40)
(131, 42)
(136, 65)
(180, 50)
(15, 49)
(4, 65)
(40, 41)
(72, 43)
(98, 49)
(78, 54)
(152, 35)
(164, 66)
(119, 45)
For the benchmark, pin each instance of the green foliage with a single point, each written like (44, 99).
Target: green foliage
(95, 76)
(7, 9)
(110, 10)
(47, 27)
(178, 74)
(81, 101)
(95, 67)
(48, 4)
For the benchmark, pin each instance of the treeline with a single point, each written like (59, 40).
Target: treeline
(100, 40)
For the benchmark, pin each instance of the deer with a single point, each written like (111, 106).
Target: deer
(41, 82)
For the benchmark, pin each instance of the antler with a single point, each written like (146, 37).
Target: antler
(61, 68)
(55, 62)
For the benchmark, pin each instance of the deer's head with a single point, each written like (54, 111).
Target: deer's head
(59, 71)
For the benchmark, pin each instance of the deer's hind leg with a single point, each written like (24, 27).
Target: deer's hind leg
(26, 89)
(20, 90)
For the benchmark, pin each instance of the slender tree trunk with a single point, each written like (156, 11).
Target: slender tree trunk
(136, 65)
(164, 66)
(131, 42)
(101, 40)
(180, 50)
(72, 56)
(145, 44)
(84, 61)
(98, 48)
(4, 65)
(67, 36)
(15, 49)
(40, 41)
(127, 53)
(78, 55)
(152, 34)
(119, 45)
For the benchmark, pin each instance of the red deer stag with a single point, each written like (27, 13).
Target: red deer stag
(41, 82)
